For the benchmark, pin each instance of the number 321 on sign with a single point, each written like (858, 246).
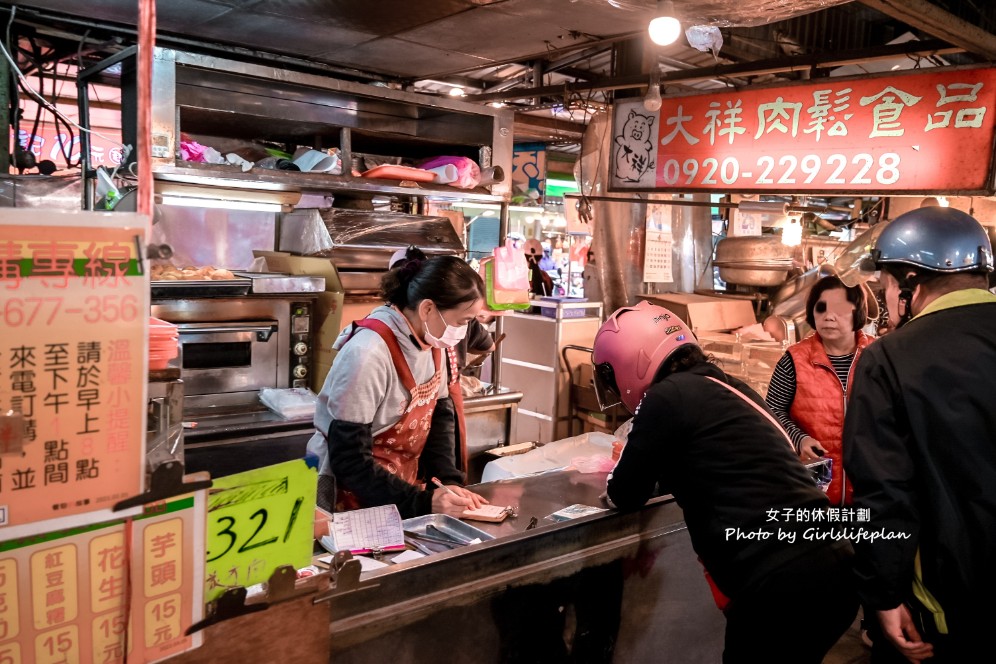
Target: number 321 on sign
(258, 521)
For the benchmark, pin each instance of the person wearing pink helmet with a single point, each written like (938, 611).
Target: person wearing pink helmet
(750, 505)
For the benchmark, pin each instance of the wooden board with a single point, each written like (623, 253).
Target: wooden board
(293, 631)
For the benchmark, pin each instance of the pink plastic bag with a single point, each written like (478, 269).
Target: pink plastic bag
(597, 463)
(511, 269)
(192, 151)
(468, 172)
(205, 154)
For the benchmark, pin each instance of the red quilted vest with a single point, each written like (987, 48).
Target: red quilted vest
(820, 404)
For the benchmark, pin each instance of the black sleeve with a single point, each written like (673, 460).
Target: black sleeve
(352, 463)
(878, 462)
(781, 394)
(478, 338)
(438, 458)
(639, 470)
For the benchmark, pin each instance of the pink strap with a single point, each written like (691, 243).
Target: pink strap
(757, 408)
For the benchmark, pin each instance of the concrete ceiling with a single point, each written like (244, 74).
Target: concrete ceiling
(502, 50)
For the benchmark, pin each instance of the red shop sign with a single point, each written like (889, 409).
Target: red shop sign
(917, 133)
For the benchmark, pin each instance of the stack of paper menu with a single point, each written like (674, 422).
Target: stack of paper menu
(367, 530)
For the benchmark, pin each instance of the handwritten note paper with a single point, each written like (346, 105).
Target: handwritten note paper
(491, 513)
(370, 529)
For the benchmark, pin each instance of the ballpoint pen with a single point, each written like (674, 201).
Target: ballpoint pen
(435, 480)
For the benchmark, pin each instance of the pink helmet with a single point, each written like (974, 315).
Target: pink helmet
(629, 349)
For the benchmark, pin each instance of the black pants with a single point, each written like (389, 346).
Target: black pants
(795, 614)
(970, 645)
(574, 620)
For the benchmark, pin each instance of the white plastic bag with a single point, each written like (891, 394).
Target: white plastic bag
(290, 403)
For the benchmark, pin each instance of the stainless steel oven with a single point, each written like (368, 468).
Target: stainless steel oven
(232, 347)
(231, 356)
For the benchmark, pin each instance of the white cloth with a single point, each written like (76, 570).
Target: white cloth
(552, 456)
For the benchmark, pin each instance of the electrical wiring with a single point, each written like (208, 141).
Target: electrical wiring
(584, 204)
(864, 215)
(15, 109)
(38, 109)
(25, 85)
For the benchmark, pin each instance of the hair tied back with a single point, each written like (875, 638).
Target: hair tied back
(408, 268)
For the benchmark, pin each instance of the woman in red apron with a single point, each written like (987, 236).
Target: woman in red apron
(390, 414)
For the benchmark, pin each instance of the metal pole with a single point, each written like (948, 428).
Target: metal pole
(499, 322)
(5, 74)
(690, 203)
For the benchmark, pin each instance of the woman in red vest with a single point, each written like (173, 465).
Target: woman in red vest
(809, 387)
(389, 416)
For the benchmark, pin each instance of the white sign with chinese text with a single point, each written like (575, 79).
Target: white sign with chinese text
(74, 303)
(107, 593)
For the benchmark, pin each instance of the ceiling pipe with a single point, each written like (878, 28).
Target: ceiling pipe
(941, 24)
(923, 48)
(40, 19)
(685, 202)
(608, 41)
(573, 59)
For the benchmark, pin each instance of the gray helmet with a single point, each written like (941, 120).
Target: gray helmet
(937, 239)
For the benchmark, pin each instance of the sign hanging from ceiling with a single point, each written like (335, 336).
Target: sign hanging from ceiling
(929, 132)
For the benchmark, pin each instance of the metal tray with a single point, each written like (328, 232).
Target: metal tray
(277, 282)
(418, 524)
(361, 282)
(198, 288)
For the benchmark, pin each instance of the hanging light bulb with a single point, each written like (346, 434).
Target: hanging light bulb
(792, 233)
(664, 29)
(652, 100)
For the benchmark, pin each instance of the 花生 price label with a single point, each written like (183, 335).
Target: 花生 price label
(115, 592)
(257, 522)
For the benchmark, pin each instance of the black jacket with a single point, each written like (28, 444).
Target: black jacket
(728, 467)
(351, 459)
(920, 448)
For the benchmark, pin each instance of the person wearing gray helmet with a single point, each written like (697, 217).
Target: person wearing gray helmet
(920, 442)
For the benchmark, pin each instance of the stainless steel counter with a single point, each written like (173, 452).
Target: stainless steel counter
(613, 586)
(491, 421)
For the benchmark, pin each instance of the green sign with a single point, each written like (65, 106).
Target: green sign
(258, 521)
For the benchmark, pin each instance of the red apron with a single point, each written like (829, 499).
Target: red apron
(457, 397)
(398, 448)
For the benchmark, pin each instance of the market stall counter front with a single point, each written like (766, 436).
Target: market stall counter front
(608, 586)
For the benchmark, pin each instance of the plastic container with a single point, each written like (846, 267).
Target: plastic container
(392, 172)
(552, 301)
(617, 448)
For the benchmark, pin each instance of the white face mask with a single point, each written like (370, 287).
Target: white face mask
(452, 335)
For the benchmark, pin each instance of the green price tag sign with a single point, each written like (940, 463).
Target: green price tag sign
(259, 520)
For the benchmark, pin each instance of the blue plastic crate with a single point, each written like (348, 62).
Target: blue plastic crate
(553, 300)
